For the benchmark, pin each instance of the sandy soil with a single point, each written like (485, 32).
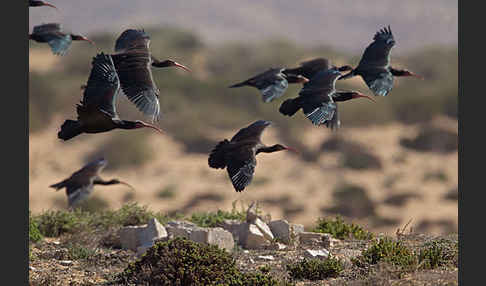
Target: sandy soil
(308, 185)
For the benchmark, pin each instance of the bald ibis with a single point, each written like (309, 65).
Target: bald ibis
(37, 3)
(97, 111)
(80, 184)
(133, 62)
(310, 68)
(52, 35)
(318, 99)
(374, 66)
(272, 83)
(238, 155)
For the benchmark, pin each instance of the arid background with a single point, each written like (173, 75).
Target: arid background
(391, 162)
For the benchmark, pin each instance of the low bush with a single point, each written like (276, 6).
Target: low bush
(315, 269)
(339, 229)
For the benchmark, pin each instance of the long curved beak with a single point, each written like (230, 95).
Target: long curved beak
(181, 66)
(293, 150)
(416, 75)
(153, 127)
(362, 95)
(128, 185)
(88, 40)
(50, 5)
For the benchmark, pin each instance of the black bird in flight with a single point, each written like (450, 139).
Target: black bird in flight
(97, 111)
(133, 62)
(374, 66)
(272, 83)
(318, 99)
(80, 184)
(37, 3)
(238, 155)
(310, 68)
(52, 35)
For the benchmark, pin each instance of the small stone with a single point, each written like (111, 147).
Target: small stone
(66, 262)
(315, 238)
(318, 253)
(266, 257)
(32, 268)
(55, 242)
(215, 236)
(263, 227)
(253, 238)
(131, 237)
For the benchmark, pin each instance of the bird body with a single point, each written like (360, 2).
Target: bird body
(97, 110)
(374, 66)
(80, 184)
(52, 34)
(317, 99)
(133, 62)
(310, 68)
(238, 155)
(272, 83)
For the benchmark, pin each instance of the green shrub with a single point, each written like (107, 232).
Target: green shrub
(183, 262)
(77, 251)
(315, 269)
(341, 230)
(388, 250)
(214, 219)
(438, 253)
(34, 233)
(55, 223)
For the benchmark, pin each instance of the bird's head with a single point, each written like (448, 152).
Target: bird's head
(409, 73)
(43, 3)
(171, 63)
(81, 38)
(116, 181)
(297, 79)
(345, 68)
(344, 96)
(280, 147)
(140, 124)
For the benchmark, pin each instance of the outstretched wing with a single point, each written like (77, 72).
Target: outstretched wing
(133, 64)
(377, 54)
(379, 81)
(252, 131)
(77, 194)
(132, 40)
(317, 103)
(103, 85)
(241, 167)
(309, 68)
(55, 38)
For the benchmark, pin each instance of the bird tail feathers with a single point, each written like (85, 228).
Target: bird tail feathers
(69, 129)
(216, 158)
(290, 107)
(243, 83)
(58, 186)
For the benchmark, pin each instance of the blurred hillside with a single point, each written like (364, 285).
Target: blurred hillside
(345, 24)
(399, 177)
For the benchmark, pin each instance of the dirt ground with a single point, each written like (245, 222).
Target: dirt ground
(286, 186)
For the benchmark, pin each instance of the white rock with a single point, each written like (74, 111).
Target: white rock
(253, 238)
(285, 231)
(66, 262)
(215, 236)
(263, 227)
(315, 238)
(317, 253)
(131, 237)
(266, 257)
(236, 228)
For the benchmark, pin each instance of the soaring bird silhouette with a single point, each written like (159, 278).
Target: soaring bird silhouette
(80, 184)
(37, 3)
(52, 35)
(97, 111)
(318, 99)
(133, 62)
(272, 83)
(374, 66)
(238, 155)
(310, 68)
